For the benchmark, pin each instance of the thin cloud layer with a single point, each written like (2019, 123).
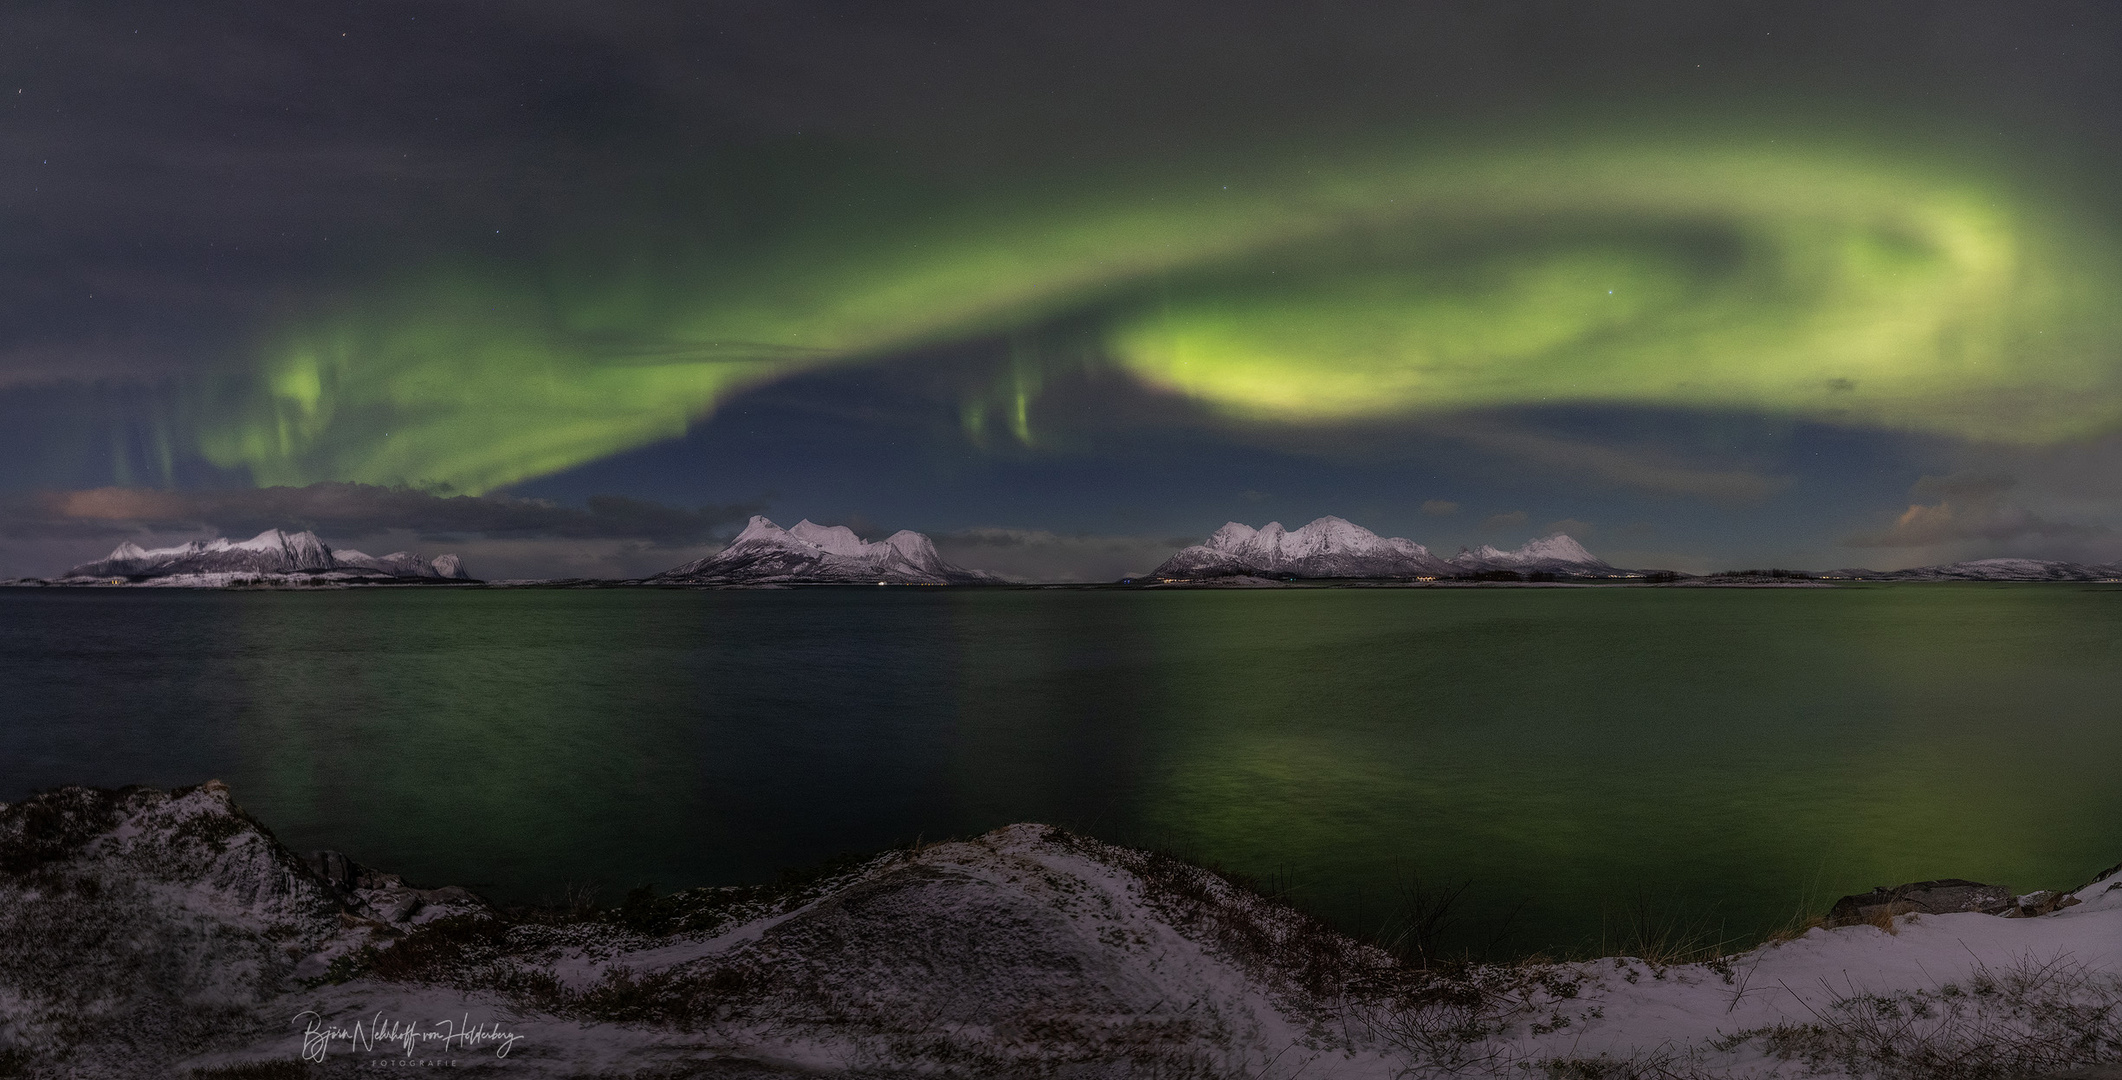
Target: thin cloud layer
(1970, 507)
(1644, 468)
(1039, 555)
(346, 509)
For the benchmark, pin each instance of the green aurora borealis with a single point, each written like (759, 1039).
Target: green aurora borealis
(1869, 283)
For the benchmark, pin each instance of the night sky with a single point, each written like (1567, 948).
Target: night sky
(573, 289)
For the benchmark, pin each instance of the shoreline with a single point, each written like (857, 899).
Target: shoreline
(603, 584)
(1022, 951)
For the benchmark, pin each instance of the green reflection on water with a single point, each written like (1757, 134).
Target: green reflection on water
(1740, 755)
(1728, 756)
(414, 723)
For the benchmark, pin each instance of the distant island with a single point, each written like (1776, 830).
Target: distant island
(1984, 570)
(766, 554)
(271, 558)
(1332, 547)
(1329, 549)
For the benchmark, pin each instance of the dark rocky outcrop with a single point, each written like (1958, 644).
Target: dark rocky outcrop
(1945, 896)
(140, 926)
(166, 933)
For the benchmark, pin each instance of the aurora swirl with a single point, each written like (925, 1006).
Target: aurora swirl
(1879, 286)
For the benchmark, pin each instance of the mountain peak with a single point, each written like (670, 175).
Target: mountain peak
(766, 553)
(1334, 547)
(1558, 553)
(838, 539)
(914, 547)
(1326, 547)
(271, 555)
(758, 528)
(1561, 547)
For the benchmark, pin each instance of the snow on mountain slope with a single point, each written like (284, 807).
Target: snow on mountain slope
(397, 563)
(1329, 547)
(1993, 570)
(271, 556)
(765, 553)
(837, 540)
(1554, 554)
(1333, 548)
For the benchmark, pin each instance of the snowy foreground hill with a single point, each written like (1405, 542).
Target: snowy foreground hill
(1334, 548)
(273, 557)
(767, 554)
(150, 933)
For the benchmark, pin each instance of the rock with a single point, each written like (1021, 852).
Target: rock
(1942, 897)
(1027, 951)
(334, 869)
(171, 910)
(396, 906)
(2039, 902)
(150, 933)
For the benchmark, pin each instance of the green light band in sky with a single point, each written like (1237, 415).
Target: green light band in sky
(1817, 282)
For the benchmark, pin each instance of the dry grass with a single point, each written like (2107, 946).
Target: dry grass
(2030, 1019)
(1663, 934)
(1401, 988)
(1258, 928)
(255, 1070)
(1654, 1065)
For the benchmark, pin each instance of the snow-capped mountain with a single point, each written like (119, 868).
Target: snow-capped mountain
(1990, 570)
(1333, 548)
(271, 556)
(1327, 548)
(403, 564)
(765, 553)
(1557, 554)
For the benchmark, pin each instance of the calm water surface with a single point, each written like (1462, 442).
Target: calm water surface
(1723, 756)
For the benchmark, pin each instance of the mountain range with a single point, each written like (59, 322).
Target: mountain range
(1331, 547)
(767, 554)
(1989, 570)
(271, 557)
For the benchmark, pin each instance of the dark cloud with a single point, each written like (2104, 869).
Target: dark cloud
(1963, 485)
(177, 172)
(1646, 468)
(1971, 507)
(1039, 555)
(360, 510)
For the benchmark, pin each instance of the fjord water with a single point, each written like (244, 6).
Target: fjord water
(1720, 759)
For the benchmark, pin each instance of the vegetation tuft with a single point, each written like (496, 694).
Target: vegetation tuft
(2029, 1019)
(255, 1070)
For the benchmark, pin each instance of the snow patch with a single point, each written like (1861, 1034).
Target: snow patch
(273, 557)
(1027, 950)
(765, 553)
